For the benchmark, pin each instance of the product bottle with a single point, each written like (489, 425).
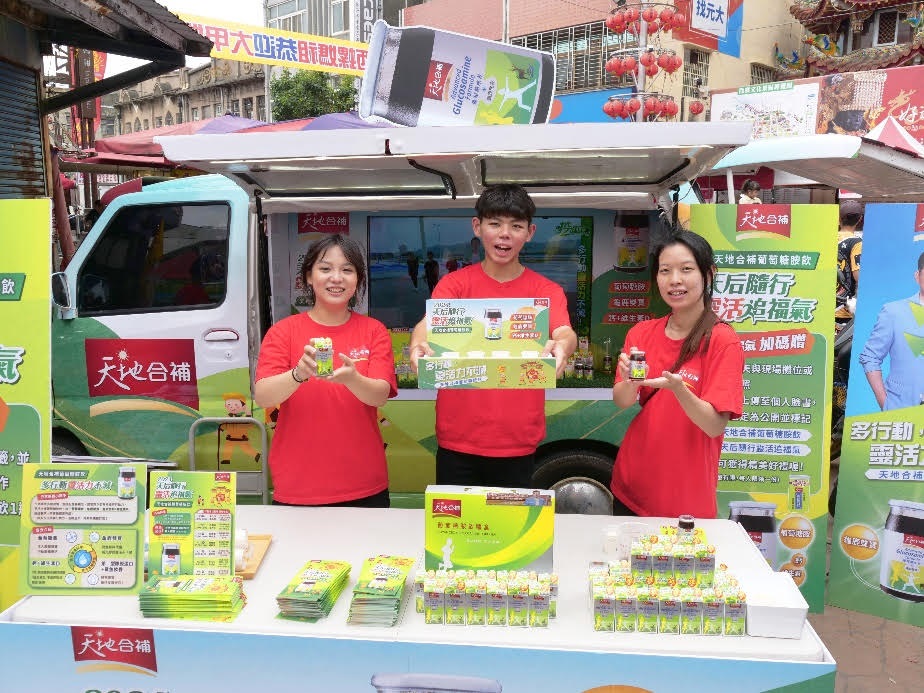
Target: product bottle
(170, 560)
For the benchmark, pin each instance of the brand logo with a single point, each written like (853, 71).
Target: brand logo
(451, 507)
(541, 302)
(114, 649)
(223, 476)
(756, 220)
(161, 368)
(436, 80)
(913, 540)
(324, 222)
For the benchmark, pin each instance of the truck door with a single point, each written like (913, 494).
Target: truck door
(155, 335)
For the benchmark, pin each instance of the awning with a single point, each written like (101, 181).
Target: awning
(872, 169)
(574, 165)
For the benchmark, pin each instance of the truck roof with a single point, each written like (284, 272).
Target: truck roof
(590, 165)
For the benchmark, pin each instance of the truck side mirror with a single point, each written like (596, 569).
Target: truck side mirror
(59, 291)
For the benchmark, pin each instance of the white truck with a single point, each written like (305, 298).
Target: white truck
(159, 316)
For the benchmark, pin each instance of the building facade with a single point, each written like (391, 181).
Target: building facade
(218, 87)
(854, 35)
(576, 34)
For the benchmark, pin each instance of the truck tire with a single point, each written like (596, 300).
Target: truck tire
(63, 442)
(581, 480)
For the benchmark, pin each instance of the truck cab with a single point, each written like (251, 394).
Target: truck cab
(160, 315)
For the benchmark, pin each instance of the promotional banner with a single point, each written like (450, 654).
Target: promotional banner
(257, 44)
(775, 286)
(877, 553)
(25, 344)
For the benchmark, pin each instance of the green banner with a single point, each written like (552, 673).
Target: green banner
(877, 546)
(775, 286)
(25, 345)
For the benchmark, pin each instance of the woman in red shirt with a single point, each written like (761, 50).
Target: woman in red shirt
(667, 464)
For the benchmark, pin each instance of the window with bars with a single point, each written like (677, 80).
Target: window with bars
(695, 71)
(762, 74)
(168, 119)
(580, 55)
(261, 107)
(886, 27)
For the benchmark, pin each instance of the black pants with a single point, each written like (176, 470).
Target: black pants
(379, 500)
(620, 509)
(463, 469)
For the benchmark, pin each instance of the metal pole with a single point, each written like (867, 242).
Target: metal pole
(267, 71)
(506, 21)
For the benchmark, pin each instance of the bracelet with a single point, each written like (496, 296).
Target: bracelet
(296, 378)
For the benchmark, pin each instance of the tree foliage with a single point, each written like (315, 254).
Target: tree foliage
(308, 94)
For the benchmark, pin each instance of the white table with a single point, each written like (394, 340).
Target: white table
(567, 656)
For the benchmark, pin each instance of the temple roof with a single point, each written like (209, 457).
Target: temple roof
(866, 58)
(827, 15)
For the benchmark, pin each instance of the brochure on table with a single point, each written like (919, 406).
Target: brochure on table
(487, 343)
(191, 526)
(82, 528)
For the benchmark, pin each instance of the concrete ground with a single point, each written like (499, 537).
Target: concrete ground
(873, 655)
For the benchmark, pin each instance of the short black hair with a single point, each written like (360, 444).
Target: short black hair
(505, 200)
(352, 251)
(750, 185)
(921, 262)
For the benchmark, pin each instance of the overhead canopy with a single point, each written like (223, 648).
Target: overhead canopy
(134, 28)
(574, 165)
(872, 169)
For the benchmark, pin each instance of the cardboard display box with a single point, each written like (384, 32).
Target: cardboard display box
(477, 527)
(487, 343)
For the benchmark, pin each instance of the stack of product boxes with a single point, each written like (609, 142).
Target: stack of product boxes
(670, 584)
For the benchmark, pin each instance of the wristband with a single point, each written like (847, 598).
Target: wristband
(296, 378)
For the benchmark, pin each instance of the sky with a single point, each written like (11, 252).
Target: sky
(239, 11)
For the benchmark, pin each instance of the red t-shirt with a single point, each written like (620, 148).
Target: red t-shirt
(327, 447)
(495, 423)
(667, 466)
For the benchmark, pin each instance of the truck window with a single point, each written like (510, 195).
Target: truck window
(157, 258)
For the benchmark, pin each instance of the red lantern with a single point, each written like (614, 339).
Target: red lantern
(696, 107)
(652, 70)
(667, 15)
(611, 23)
(632, 14)
(620, 17)
(629, 64)
(647, 58)
(664, 61)
(649, 14)
(632, 106)
(634, 28)
(620, 109)
(670, 109)
(653, 27)
(611, 66)
(609, 107)
(677, 63)
(678, 20)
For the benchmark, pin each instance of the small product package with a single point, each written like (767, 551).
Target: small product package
(454, 598)
(640, 558)
(518, 602)
(704, 564)
(648, 609)
(669, 610)
(735, 613)
(691, 611)
(496, 603)
(684, 570)
(713, 612)
(604, 602)
(538, 604)
(662, 563)
(476, 601)
(324, 356)
(434, 600)
(626, 609)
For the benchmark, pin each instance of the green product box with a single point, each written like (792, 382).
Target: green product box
(604, 603)
(662, 564)
(476, 602)
(487, 343)
(691, 612)
(713, 613)
(626, 610)
(646, 620)
(496, 603)
(735, 615)
(517, 604)
(539, 597)
(684, 570)
(478, 527)
(668, 610)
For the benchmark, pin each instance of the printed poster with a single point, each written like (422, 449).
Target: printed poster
(775, 286)
(25, 347)
(82, 528)
(877, 555)
(191, 526)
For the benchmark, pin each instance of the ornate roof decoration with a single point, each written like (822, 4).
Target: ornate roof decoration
(866, 58)
(824, 16)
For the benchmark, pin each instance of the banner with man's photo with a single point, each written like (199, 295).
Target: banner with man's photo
(877, 556)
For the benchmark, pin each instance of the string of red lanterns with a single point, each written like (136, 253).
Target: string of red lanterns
(644, 61)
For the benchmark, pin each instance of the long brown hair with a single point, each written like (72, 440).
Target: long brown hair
(701, 333)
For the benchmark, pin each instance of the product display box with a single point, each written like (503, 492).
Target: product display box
(487, 343)
(476, 527)
(775, 606)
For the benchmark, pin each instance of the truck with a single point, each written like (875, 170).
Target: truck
(158, 319)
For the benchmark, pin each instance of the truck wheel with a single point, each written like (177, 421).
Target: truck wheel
(581, 480)
(64, 442)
